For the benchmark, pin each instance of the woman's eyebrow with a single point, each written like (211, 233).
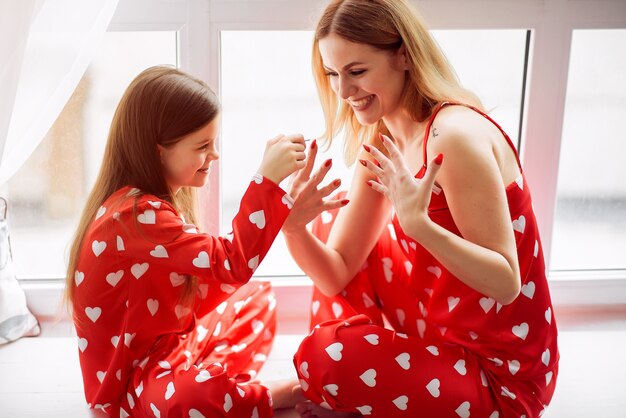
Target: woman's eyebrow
(347, 66)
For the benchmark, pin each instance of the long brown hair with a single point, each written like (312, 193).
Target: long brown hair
(385, 25)
(161, 106)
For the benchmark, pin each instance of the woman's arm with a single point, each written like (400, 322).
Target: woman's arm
(358, 225)
(485, 256)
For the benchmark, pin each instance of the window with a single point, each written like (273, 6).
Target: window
(590, 222)
(267, 88)
(47, 194)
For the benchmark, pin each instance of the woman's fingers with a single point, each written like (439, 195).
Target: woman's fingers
(304, 174)
(383, 162)
(431, 171)
(329, 188)
(317, 178)
(377, 171)
(335, 204)
(380, 188)
(394, 153)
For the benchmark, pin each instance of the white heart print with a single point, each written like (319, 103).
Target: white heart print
(459, 366)
(153, 306)
(114, 278)
(202, 260)
(147, 218)
(521, 330)
(93, 313)
(332, 389)
(257, 218)
(401, 402)
(98, 247)
(463, 410)
(433, 388)
(139, 270)
(78, 277)
(334, 351)
(170, 390)
(372, 339)
(159, 252)
(369, 377)
(403, 360)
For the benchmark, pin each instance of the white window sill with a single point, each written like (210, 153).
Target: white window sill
(568, 290)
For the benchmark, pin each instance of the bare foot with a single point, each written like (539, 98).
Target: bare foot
(308, 409)
(283, 394)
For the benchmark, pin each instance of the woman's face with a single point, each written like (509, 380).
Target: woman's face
(367, 79)
(188, 162)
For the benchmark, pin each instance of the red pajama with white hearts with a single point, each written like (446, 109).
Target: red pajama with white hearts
(147, 352)
(447, 350)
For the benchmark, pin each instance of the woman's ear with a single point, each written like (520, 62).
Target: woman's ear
(401, 59)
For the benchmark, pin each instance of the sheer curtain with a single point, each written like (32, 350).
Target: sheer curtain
(46, 46)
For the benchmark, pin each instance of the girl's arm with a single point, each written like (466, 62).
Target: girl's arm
(485, 256)
(358, 226)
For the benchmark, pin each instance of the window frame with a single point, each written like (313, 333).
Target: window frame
(551, 22)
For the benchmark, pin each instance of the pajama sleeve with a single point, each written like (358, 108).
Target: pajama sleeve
(222, 264)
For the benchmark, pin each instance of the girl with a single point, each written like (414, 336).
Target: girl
(458, 270)
(166, 324)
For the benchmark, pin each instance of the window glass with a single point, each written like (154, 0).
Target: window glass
(590, 223)
(47, 194)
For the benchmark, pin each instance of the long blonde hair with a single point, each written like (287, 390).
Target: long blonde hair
(385, 25)
(160, 106)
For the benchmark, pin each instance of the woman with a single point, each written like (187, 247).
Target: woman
(457, 271)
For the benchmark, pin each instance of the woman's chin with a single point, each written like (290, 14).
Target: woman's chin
(366, 120)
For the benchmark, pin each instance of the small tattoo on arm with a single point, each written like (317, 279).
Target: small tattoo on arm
(435, 134)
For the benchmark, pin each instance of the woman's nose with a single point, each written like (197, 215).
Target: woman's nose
(346, 88)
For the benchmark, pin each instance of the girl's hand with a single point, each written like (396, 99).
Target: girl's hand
(410, 196)
(283, 155)
(309, 200)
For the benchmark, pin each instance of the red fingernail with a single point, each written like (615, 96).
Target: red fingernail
(382, 137)
(366, 148)
(314, 143)
(328, 163)
(369, 183)
(378, 164)
(345, 202)
(363, 162)
(337, 182)
(439, 159)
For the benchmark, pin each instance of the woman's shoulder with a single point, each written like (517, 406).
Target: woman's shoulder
(459, 128)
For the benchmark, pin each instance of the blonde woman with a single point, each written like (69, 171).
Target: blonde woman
(457, 270)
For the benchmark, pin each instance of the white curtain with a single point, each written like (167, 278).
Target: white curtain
(45, 46)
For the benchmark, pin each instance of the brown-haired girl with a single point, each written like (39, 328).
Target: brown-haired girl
(166, 324)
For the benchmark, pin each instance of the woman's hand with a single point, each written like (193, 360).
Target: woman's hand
(309, 200)
(410, 196)
(283, 155)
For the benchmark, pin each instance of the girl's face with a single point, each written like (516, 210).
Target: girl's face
(188, 162)
(367, 79)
